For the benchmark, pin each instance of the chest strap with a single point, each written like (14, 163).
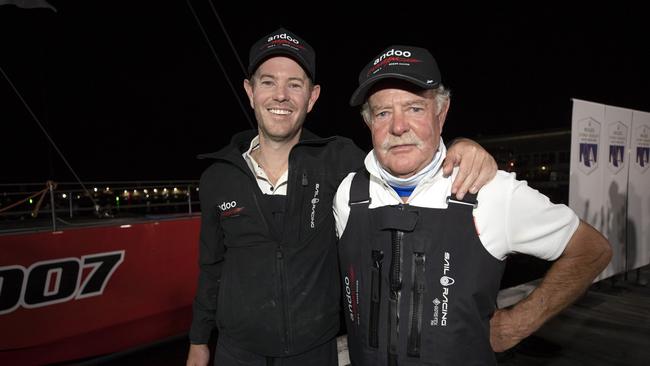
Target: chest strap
(468, 200)
(360, 188)
(360, 192)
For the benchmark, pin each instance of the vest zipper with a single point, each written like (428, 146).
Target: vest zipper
(395, 282)
(415, 329)
(375, 296)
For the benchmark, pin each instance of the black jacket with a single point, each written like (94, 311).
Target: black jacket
(273, 291)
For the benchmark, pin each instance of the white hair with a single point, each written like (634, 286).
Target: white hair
(442, 96)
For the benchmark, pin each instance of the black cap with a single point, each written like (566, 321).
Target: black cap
(412, 64)
(283, 42)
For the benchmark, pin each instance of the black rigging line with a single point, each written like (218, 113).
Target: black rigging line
(214, 53)
(48, 137)
(223, 29)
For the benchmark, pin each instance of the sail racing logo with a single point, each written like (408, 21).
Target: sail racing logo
(441, 306)
(314, 202)
(57, 280)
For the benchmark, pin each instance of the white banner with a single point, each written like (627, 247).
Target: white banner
(609, 183)
(616, 143)
(585, 175)
(638, 228)
(598, 173)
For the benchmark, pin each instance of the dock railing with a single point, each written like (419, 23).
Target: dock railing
(25, 206)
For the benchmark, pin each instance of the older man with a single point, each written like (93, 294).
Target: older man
(421, 269)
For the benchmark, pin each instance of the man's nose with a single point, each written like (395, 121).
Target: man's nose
(399, 124)
(280, 93)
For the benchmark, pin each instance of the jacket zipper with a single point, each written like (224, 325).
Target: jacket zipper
(279, 255)
(415, 329)
(279, 263)
(395, 282)
(375, 296)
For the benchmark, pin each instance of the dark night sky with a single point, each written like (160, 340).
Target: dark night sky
(131, 90)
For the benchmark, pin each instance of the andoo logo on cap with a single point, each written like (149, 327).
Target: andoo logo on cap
(282, 36)
(392, 52)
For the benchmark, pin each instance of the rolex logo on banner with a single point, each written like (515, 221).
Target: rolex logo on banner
(642, 151)
(588, 140)
(617, 138)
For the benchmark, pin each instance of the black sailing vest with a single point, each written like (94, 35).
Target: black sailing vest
(420, 288)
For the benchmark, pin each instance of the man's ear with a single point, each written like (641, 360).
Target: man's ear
(313, 97)
(248, 86)
(368, 123)
(442, 116)
(365, 115)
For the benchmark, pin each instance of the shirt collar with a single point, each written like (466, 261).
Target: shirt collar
(373, 166)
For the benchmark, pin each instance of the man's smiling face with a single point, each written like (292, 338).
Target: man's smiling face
(281, 95)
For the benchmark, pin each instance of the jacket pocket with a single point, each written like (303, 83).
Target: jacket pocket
(417, 299)
(222, 304)
(375, 298)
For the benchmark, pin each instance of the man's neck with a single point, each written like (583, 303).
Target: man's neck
(273, 156)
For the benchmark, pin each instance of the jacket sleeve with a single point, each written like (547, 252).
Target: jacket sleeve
(211, 251)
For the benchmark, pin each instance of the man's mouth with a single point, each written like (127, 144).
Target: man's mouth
(401, 147)
(279, 111)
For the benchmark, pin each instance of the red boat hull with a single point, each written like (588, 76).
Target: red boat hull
(90, 291)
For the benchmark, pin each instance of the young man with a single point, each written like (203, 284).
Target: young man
(421, 268)
(268, 261)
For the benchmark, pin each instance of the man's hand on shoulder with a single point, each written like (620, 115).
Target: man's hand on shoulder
(476, 166)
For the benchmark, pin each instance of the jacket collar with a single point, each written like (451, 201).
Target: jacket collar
(240, 142)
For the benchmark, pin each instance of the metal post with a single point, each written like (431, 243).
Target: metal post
(50, 186)
(70, 200)
(189, 199)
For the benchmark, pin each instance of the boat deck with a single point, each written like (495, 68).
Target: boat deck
(45, 224)
(608, 326)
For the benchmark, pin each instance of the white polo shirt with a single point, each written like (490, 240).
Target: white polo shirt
(260, 176)
(510, 217)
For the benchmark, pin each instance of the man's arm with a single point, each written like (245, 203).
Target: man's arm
(584, 257)
(199, 355)
(211, 250)
(476, 166)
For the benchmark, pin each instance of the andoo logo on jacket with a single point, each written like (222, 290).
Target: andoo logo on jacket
(352, 294)
(441, 306)
(229, 209)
